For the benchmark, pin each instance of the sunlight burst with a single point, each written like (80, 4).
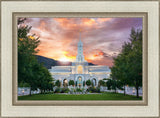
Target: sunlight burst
(64, 59)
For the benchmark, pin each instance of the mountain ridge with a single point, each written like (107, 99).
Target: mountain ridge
(48, 62)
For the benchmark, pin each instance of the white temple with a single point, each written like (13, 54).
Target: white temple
(80, 71)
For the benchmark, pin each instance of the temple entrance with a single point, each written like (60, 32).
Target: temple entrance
(79, 82)
(94, 82)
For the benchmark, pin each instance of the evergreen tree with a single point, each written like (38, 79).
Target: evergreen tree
(29, 70)
(71, 82)
(128, 64)
(101, 83)
(58, 83)
(88, 82)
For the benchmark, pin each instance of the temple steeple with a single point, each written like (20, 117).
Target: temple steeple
(80, 56)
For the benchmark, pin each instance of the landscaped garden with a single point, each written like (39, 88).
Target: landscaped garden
(91, 96)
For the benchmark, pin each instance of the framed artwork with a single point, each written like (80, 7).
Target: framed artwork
(80, 59)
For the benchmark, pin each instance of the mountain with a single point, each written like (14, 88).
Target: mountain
(48, 62)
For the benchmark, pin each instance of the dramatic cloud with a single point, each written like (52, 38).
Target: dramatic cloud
(102, 37)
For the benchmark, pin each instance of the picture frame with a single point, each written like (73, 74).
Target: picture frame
(11, 107)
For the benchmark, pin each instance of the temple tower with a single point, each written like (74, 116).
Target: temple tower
(80, 56)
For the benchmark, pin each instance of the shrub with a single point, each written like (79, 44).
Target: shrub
(78, 90)
(64, 90)
(93, 90)
(58, 90)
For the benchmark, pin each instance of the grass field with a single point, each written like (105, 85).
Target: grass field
(101, 96)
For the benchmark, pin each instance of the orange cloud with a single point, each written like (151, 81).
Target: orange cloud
(42, 26)
(88, 21)
(66, 57)
(66, 22)
(99, 54)
(101, 61)
(72, 23)
(101, 20)
(69, 55)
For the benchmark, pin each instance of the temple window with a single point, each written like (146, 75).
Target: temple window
(80, 69)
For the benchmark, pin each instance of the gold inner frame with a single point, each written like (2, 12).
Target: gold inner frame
(142, 102)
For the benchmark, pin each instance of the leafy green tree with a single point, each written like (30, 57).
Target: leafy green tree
(29, 70)
(71, 82)
(44, 79)
(23, 85)
(135, 59)
(120, 69)
(101, 83)
(27, 45)
(128, 64)
(88, 82)
(114, 85)
(109, 84)
(58, 83)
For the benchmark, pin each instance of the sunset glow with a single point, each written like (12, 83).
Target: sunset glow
(102, 37)
(64, 59)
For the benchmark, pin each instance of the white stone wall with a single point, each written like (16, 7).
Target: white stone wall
(129, 90)
(26, 91)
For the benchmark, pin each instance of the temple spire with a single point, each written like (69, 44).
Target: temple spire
(80, 56)
(80, 42)
(80, 34)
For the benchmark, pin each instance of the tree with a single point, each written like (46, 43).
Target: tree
(58, 83)
(29, 70)
(128, 64)
(120, 69)
(27, 45)
(45, 81)
(71, 82)
(101, 83)
(109, 84)
(135, 59)
(113, 84)
(88, 82)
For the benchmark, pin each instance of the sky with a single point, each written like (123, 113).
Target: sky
(102, 37)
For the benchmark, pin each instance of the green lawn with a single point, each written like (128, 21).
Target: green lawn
(101, 96)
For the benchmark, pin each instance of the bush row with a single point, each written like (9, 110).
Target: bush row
(61, 90)
(93, 90)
